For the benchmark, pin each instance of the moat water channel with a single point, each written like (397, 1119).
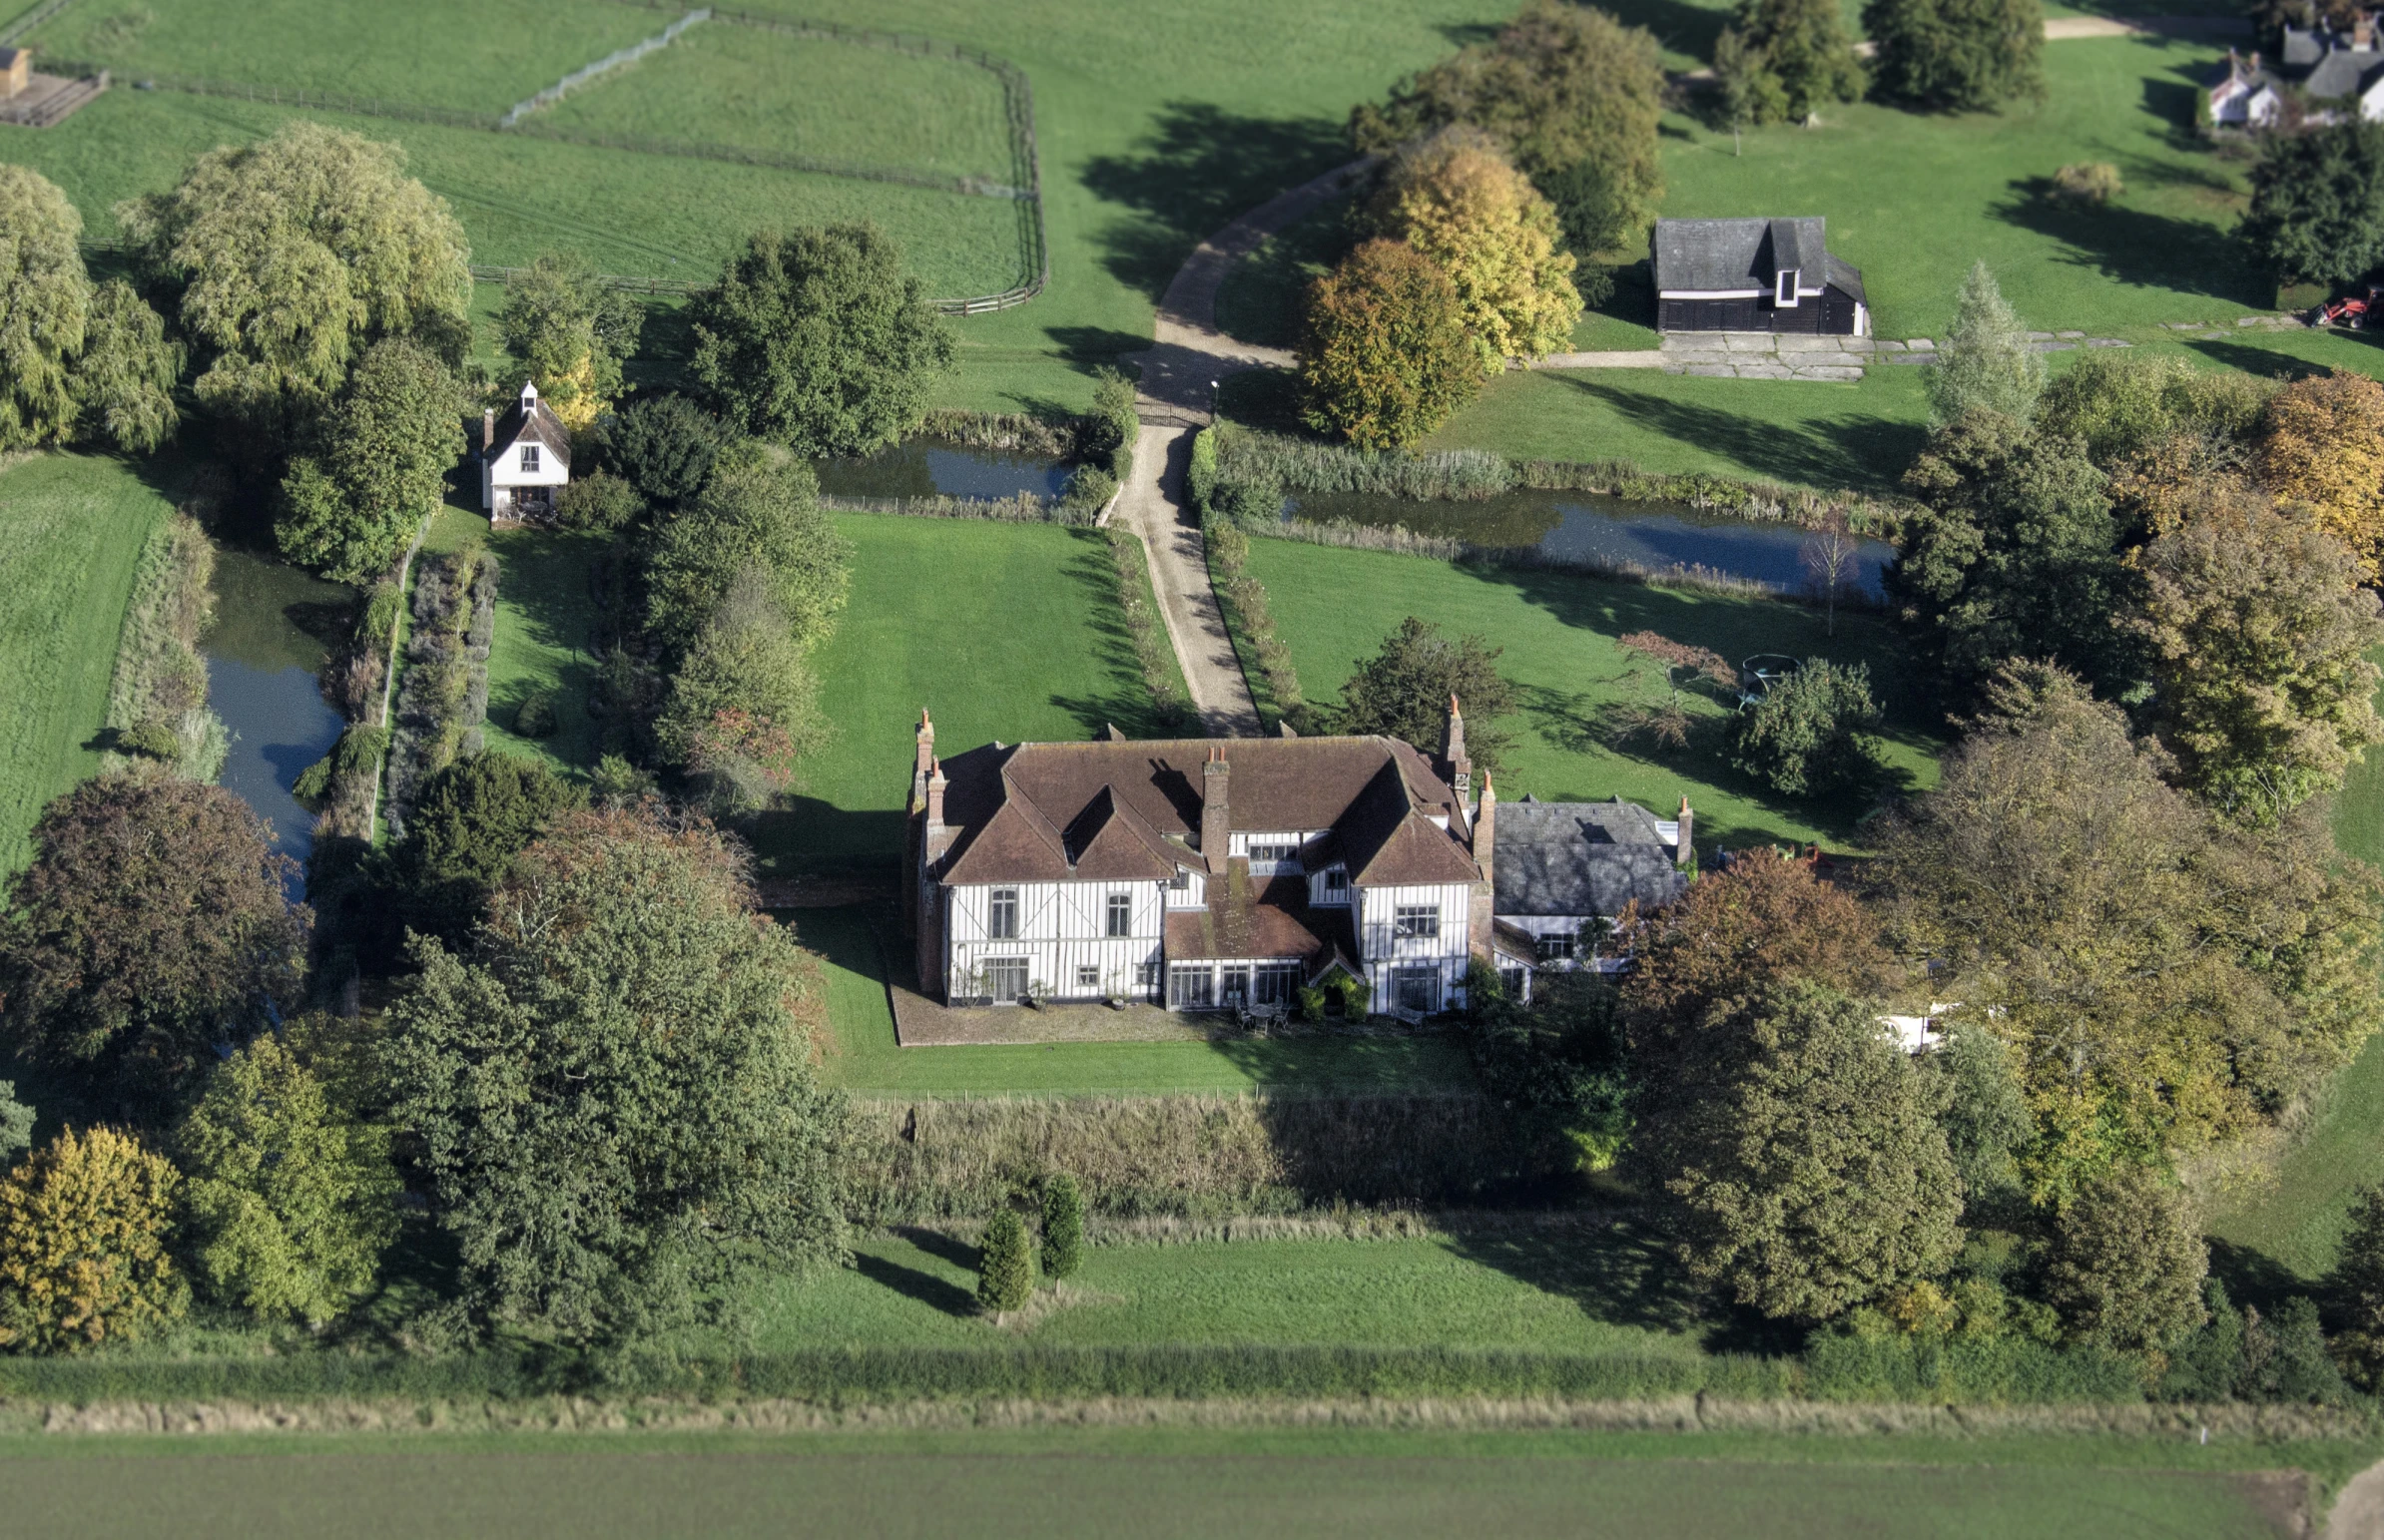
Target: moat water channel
(928, 467)
(264, 652)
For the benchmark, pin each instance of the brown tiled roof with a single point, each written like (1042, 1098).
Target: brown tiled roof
(1378, 793)
(1112, 841)
(1248, 919)
(542, 428)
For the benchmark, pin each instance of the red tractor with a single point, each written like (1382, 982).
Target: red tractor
(2350, 311)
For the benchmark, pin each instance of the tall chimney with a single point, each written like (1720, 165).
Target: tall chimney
(925, 754)
(1216, 817)
(1454, 763)
(935, 785)
(1684, 851)
(1482, 912)
(487, 429)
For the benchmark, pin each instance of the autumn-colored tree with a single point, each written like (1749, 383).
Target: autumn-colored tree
(2322, 443)
(2126, 1263)
(82, 1257)
(1811, 1174)
(1383, 355)
(1761, 919)
(154, 922)
(1561, 86)
(571, 333)
(1456, 199)
(2259, 634)
(1678, 659)
(2161, 981)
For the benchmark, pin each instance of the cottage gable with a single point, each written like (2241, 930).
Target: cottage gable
(1754, 275)
(524, 456)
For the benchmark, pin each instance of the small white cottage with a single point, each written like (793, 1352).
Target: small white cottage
(525, 457)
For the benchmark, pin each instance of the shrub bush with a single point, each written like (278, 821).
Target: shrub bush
(1089, 487)
(599, 500)
(1063, 1225)
(1006, 1264)
(535, 717)
(2088, 182)
(1800, 738)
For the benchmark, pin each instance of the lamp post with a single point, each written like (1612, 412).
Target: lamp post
(1214, 388)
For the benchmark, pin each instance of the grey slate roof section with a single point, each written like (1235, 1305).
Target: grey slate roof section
(2303, 48)
(2343, 72)
(1579, 858)
(1747, 254)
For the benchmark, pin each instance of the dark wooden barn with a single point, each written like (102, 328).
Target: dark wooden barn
(1754, 275)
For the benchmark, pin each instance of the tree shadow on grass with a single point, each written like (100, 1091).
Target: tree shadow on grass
(1127, 703)
(1622, 1273)
(2267, 365)
(911, 1284)
(1197, 168)
(1865, 453)
(2133, 245)
(2255, 1277)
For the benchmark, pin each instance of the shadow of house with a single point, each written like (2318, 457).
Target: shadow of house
(2269, 365)
(1197, 170)
(2131, 245)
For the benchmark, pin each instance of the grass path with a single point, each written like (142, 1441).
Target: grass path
(71, 531)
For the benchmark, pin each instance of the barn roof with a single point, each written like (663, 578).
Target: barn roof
(1711, 255)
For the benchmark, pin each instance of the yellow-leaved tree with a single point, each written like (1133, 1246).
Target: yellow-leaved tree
(2322, 443)
(1456, 198)
(83, 1254)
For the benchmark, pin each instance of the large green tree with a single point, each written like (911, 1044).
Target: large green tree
(377, 465)
(1812, 1177)
(291, 1201)
(1802, 738)
(2126, 1263)
(1403, 691)
(2259, 632)
(570, 334)
(1957, 55)
(1562, 85)
(614, 1101)
(2014, 553)
(468, 823)
(759, 513)
(124, 383)
(748, 658)
(154, 922)
(1795, 56)
(664, 446)
(819, 339)
(1384, 354)
(45, 303)
(291, 254)
(2162, 982)
(1987, 362)
(2317, 203)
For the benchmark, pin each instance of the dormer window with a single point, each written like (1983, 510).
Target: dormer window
(1337, 881)
(529, 459)
(1783, 291)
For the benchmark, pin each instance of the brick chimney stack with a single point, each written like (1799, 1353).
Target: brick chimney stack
(1683, 852)
(1482, 914)
(937, 834)
(1454, 763)
(1216, 815)
(487, 429)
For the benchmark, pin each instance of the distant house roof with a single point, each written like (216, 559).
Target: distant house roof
(532, 420)
(1567, 858)
(1722, 255)
(2331, 64)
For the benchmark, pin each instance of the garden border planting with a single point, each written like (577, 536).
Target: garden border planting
(157, 698)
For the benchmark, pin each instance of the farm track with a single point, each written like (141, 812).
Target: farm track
(1175, 399)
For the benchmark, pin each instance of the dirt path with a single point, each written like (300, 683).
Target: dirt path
(2358, 1512)
(1187, 358)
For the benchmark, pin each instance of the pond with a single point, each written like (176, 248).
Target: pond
(263, 652)
(1607, 532)
(929, 467)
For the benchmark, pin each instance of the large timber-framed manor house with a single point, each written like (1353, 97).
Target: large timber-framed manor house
(1216, 873)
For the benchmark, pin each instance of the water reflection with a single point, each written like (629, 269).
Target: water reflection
(926, 467)
(270, 637)
(1605, 531)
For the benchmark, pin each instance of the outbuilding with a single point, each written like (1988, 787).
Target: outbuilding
(525, 458)
(1754, 275)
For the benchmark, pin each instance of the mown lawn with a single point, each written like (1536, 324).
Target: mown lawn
(857, 945)
(71, 530)
(1102, 1481)
(1334, 607)
(1001, 630)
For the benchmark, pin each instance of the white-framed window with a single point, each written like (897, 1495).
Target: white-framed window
(1089, 976)
(1417, 921)
(1006, 978)
(1783, 293)
(1274, 983)
(1558, 947)
(1181, 881)
(1121, 915)
(1147, 976)
(1274, 852)
(1510, 979)
(1416, 990)
(529, 459)
(1337, 881)
(1001, 914)
(1191, 987)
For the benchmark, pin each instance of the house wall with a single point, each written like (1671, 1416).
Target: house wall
(1384, 951)
(1062, 929)
(504, 469)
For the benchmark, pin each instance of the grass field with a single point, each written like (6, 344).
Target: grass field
(71, 531)
(1001, 630)
(1333, 606)
(854, 946)
(1160, 1482)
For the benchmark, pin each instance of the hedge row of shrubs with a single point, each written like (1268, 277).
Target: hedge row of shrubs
(443, 696)
(1025, 508)
(157, 698)
(1153, 655)
(1246, 597)
(1010, 433)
